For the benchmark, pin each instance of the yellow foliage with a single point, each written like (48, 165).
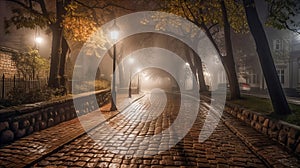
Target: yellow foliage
(78, 28)
(78, 25)
(209, 12)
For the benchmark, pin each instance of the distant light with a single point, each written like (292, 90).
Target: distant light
(207, 74)
(114, 34)
(39, 40)
(187, 64)
(114, 31)
(131, 60)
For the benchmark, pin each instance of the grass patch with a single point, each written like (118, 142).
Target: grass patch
(264, 106)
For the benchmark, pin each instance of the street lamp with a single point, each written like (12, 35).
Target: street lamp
(138, 81)
(37, 40)
(114, 34)
(131, 61)
(186, 77)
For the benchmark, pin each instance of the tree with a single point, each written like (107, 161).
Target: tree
(31, 14)
(211, 16)
(277, 96)
(65, 19)
(283, 14)
(30, 64)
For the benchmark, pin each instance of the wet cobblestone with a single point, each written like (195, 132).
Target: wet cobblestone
(232, 144)
(222, 149)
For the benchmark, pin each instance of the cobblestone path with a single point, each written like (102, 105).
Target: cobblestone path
(143, 135)
(123, 145)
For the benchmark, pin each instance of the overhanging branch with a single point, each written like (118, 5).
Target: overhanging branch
(102, 6)
(28, 8)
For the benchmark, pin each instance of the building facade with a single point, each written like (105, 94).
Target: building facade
(294, 64)
(7, 65)
(285, 48)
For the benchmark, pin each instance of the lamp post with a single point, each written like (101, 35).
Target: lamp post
(131, 60)
(37, 40)
(186, 67)
(114, 34)
(138, 82)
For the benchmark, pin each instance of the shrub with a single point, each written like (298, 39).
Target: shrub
(19, 96)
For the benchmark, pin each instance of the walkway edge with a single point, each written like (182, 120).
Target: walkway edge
(265, 151)
(55, 143)
(268, 151)
(80, 135)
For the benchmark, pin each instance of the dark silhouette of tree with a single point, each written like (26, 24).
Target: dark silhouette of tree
(75, 19)
(277, 96)
(212, 17)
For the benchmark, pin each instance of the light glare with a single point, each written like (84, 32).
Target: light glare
(39, 40)
(114, 34)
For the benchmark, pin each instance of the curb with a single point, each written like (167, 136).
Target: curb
(259, 148)
(269, 151)
(55, 149)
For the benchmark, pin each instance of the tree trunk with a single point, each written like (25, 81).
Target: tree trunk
(54, 77)
(65, 49)
(57, 48)
(228, 59)
(201, 79)
(230, 69)
(196, 68)
(278, 98)
(188, 56)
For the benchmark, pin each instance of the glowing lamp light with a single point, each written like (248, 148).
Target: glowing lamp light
(207, 74)
(39, 40)
(114, 33)
(131, 60)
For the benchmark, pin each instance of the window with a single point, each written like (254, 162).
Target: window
(280, 73)
(277, 44)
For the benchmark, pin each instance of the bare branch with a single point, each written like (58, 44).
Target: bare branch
(28, 8)
(192, 14)
(44, 9)
(213, 25)
(103, 6)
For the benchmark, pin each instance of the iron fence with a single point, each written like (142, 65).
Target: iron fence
(8, 84)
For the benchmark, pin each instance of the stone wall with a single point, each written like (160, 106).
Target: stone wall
(286, 134)
(17, 122)
(7, 66)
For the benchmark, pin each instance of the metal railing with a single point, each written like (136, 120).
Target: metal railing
(8, 84)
